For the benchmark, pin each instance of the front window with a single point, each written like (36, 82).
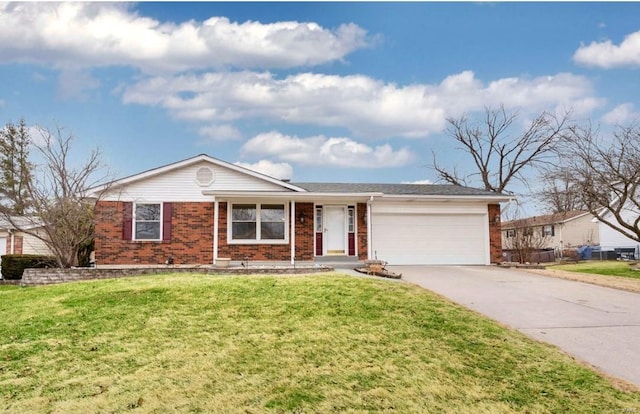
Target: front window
(244, 218)
(319, 220)
(548, 230)
(258, 222)
(351, 220)
(148, 221)
(511, 233)
(272, 222)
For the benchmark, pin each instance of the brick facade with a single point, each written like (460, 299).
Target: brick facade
(18, 242)
(191, 237)
(495, 234)
(361, 210)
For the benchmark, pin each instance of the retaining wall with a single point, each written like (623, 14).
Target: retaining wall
(37, 277)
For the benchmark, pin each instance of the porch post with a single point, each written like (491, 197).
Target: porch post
(216, 218)
(292, 238)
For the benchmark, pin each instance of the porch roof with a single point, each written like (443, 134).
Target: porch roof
(361, 192)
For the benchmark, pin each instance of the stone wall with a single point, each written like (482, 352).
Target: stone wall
(37, 277)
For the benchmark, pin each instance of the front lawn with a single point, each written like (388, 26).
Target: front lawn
(323, 343)
(605, 268)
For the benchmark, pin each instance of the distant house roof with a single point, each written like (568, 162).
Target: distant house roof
(22, 222)
(548, 219)
(396, 189)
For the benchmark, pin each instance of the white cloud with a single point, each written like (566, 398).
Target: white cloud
(621, 114)
(220, 132)
(418, 182)
(367, 107)
(74, 34)
(281, 171)
(323, 151)
(608, 55)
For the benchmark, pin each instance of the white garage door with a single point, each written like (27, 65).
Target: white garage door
(407, 239)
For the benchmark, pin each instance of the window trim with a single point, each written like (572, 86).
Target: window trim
(257, 240)
(134, 221)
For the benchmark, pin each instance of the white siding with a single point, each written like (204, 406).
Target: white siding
(33, 245)
(30, 244)
(579, 232)
(181, 185)
(611, 239)
(3, 250)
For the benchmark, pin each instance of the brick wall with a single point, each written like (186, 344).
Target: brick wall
(362, 231)
(191, 237)
(495, 234)
(18, 242)
(265, 252)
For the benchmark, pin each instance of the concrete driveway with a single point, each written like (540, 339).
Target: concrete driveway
(595, 324)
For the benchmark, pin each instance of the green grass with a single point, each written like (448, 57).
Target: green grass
(609, 268)
(324, 343)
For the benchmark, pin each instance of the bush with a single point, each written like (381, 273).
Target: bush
(13, 265)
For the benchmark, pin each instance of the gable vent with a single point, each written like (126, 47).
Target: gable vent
(204, 176)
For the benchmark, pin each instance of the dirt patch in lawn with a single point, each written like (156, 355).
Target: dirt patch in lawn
(615, 282)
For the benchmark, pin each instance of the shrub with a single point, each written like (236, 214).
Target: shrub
(571, 254)
(13, 265)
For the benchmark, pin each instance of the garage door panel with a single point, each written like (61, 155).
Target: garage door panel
(429, 239)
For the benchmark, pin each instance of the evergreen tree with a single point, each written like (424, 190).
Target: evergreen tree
(15, 168)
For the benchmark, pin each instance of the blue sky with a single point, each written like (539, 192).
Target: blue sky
(309, 91)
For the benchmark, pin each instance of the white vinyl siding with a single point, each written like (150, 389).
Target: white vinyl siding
(431, 234)
(33, 245)
(182, 185)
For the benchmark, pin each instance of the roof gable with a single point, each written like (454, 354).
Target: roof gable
(199, 160)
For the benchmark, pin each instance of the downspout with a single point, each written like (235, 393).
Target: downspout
(292, 239)
(369, 252)
(216, 218)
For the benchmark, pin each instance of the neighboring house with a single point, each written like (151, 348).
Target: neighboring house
(613, 240)
(13, 241)
(558, 231)
(201, 209)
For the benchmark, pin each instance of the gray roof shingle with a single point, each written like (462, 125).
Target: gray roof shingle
(396, 189)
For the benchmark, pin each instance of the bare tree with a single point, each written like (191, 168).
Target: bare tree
(58, 197)
(560, 193)
(607, 173)
(499, 156)
(525, 242)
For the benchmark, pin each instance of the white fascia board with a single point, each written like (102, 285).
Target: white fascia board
(189, 161)
(306, 196)
(471, 198)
